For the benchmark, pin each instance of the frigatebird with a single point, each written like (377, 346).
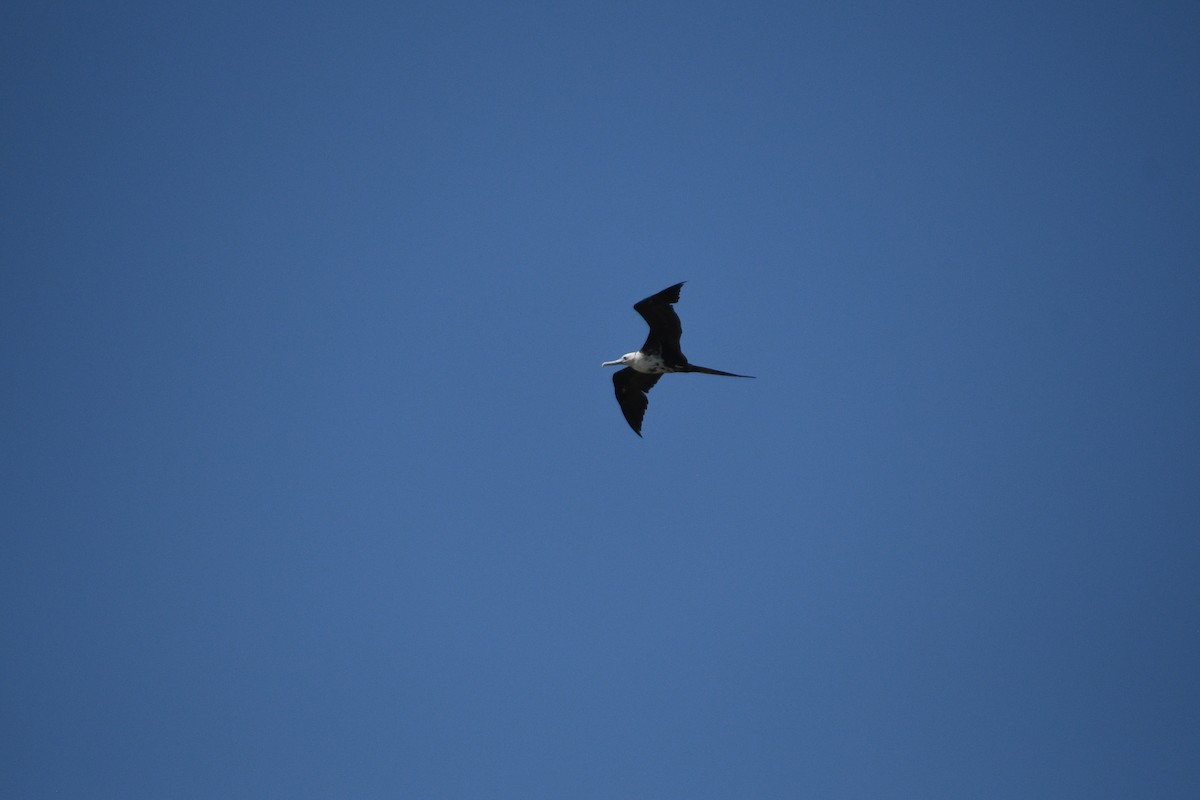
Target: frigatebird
(658, 356)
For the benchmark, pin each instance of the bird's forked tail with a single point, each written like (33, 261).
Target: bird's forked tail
(707, 371)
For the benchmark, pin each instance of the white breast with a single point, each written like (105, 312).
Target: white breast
(651, 365)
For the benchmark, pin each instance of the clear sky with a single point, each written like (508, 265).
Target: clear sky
(312, 484)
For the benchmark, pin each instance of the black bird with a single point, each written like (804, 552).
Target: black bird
(659, 355)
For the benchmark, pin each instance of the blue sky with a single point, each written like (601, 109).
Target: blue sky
(313, 485)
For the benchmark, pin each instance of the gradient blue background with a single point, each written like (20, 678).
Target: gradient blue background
(313, 486)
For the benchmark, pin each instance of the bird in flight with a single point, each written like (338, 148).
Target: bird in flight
(658, 356)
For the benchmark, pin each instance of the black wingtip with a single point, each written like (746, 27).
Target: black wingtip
(669, 295)
(672, 292)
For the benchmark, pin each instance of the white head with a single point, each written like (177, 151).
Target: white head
(625, 359)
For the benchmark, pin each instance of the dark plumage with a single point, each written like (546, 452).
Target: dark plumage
(659, 355)
(631, 387)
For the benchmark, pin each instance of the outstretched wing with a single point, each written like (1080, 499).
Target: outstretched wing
(631, 387)
(665, 328)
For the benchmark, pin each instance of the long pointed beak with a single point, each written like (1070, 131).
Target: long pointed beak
(616, 363)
